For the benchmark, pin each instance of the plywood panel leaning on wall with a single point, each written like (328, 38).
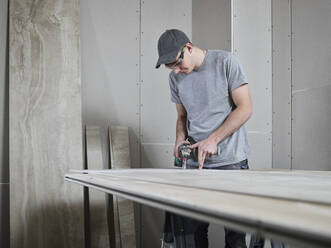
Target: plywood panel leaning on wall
(123, 208)
(97, 159)
(45, 124)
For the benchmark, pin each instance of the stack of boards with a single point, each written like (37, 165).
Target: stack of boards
(109, 219)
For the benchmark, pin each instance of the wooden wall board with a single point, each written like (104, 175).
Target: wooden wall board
(97, 158)
(123, 209)
(4, 127)
(4, 84)
(295, 218)
(45, 124)
(309, 186)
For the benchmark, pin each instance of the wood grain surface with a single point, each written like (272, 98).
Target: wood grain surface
(123, 208)
(97, 158)
(45, 124)
(297, 211)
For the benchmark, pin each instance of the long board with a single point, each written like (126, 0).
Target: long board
(97, 158)
(298, 210)
(123, 208)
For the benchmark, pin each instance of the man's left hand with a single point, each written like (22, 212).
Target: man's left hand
(206, 148)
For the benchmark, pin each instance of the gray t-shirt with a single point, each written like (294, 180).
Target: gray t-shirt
(205, 94)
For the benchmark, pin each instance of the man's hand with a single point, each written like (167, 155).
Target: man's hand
(206, 148)
(177, 145)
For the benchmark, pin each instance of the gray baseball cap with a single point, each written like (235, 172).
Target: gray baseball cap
(169, 44)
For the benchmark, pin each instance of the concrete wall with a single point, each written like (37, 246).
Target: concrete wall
(4, 129)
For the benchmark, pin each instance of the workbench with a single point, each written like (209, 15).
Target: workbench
(290, 205)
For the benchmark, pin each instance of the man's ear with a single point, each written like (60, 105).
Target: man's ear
(189, 47)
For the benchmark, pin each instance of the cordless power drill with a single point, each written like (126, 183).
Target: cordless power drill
(186, 153)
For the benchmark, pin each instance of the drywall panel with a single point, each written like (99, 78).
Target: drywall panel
(251, 43)
(281, 87)
(211, 24)
(157, 155)
(262, 149)
(110, 66)
(311, 46)
(45, 124)
(312, 129)
(4, 143)
(4, 215)
(158, 114)
(97, 159)
(311, 22)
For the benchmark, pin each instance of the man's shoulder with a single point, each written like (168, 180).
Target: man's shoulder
(220, 54)
(175, 77)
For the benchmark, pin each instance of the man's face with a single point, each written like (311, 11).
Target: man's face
(183, 62)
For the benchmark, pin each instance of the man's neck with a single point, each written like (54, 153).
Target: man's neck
(200, 56)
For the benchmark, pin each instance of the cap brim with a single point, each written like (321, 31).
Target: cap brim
(167, 58)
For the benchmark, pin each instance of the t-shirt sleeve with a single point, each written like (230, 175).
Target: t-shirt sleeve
(174, 91)
(235, 73)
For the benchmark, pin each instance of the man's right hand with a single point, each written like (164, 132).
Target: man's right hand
(178, 143)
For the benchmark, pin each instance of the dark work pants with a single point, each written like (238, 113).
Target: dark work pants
(189, 233)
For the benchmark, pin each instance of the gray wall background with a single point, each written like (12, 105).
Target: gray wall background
(302, 84)
(4, 129)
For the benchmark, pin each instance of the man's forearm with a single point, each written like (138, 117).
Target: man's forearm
(234, 121)
(181, 130)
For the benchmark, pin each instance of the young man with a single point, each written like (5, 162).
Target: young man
(213, 102)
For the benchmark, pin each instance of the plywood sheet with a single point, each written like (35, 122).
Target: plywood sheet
(294, 205)
(123, 208)
(310, 186)
(45, 124)
(4, 115)
(97, 158)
